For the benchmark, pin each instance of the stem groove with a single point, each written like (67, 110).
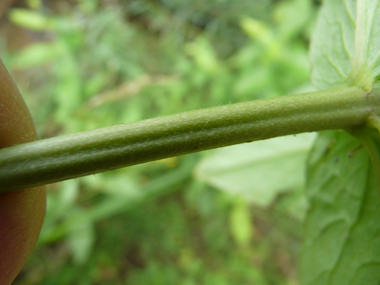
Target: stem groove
(60, 158)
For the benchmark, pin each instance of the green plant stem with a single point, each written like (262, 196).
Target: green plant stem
(75, 155)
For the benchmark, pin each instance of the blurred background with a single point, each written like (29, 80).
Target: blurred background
(227, 216)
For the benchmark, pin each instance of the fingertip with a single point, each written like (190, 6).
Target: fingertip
(21, 213)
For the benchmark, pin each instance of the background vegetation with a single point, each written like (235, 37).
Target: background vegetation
(229, 216)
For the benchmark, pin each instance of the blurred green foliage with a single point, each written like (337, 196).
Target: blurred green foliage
(99, 63)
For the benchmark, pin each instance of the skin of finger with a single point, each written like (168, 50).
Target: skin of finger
(21, 213)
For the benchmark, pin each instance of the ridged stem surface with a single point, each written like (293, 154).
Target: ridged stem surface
(70, 156)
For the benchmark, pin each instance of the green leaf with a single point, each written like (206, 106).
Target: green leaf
(342, 244)
(345, 44)
(202, 52)
(366, 59)
(258, 30)
(342, 229)
(30, 20)
(81, 240)
(37, 54)
(240, 223)
(243, 170)
(333, 44)
(292, 17)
